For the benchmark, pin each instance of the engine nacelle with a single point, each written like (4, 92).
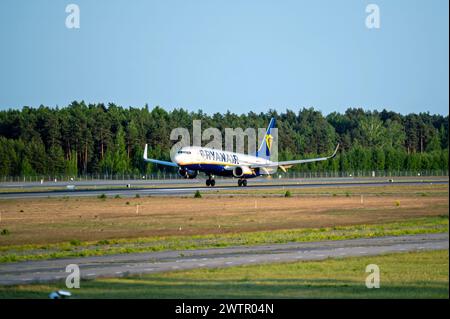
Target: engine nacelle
(187, 173)
(240, 171)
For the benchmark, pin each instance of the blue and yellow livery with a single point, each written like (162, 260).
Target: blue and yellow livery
(193, 159)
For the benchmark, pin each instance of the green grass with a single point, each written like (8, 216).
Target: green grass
(403, 275)
(348, 191)
(116, 246)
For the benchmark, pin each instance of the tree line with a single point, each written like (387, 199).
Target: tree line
(109, 139)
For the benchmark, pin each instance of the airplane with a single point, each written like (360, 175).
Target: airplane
(193, 159)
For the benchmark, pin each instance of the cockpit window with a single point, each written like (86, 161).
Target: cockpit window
(184, 152)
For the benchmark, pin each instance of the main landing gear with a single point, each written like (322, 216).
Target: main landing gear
(210, 181)
(242, 182)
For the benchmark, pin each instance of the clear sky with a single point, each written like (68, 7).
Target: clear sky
(227, 55)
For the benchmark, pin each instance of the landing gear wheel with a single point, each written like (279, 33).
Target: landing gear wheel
(239, 183)
(210, 182)
(244, 183)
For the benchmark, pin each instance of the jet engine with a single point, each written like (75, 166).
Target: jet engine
(240, 171)
(187, 173)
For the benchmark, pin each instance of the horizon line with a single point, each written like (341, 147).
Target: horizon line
(189, 110)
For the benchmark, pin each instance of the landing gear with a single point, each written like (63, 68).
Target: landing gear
(210, 181)
(242, 182)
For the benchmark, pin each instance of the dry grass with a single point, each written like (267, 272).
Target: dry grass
(40, 221)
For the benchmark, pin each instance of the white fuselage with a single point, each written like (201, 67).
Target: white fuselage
(218, 162)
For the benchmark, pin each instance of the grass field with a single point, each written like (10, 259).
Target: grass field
(404, 275)
(424, 225)
(55, 228)
(34, 229)
(45, 221)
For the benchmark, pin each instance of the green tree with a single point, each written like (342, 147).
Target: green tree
(97, 138)
(26, 169)
(120, 159)
(71, 168)
(57, 163)
(37, 155)
(378, 159)
(395, 134)
(434, 144)
(373, 133)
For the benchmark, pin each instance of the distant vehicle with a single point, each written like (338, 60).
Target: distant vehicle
(193, 159)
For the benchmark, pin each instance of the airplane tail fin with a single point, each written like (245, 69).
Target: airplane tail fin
(266, 144)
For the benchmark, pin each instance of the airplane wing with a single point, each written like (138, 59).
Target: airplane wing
(288, 164)
(157, 161)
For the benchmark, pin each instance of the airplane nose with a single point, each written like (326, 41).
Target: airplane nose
(177, 158)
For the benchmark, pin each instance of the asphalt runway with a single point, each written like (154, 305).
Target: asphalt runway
(155, 262)
(199, 181)
(174, 190)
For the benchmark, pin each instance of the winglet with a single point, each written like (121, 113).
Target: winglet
(145, 152)
(151, 160)
(335, 151)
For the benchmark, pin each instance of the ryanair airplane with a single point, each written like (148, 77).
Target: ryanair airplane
(193, 159)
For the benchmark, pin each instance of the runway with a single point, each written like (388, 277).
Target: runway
(80, 183)
(155, 262)
(191, 187)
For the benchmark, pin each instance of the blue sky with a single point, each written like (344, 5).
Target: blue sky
(227, 55)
